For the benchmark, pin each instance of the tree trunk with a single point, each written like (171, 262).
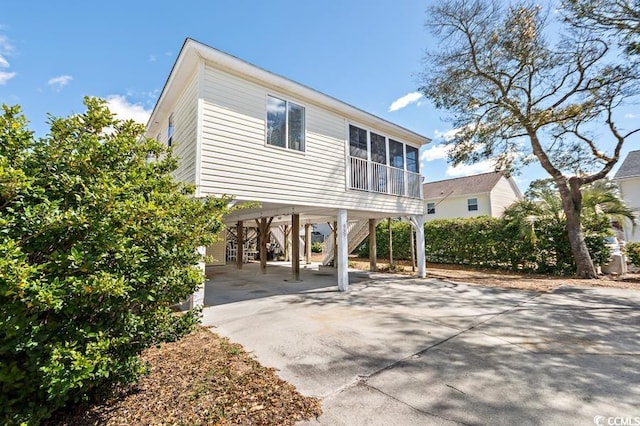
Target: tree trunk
(572, 205)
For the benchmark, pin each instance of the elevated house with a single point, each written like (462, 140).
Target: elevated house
(299, 156)
(628, 179)
(478, 195)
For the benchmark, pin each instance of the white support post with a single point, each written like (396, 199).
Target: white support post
(343, 253)
(197, 298)
(418, 222)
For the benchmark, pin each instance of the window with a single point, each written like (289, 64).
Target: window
(285, 124)
(357, 142)
(296, 126)
(431, 208)
(412, 159)
(472, 204)
(396, 154)
(379, 159)
(378, 149)
(170, 130)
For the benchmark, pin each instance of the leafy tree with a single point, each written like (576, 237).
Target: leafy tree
(620, 18)
(517, 98)
(97, 243)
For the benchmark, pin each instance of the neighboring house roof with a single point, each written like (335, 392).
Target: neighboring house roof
(476, 184)
(630, 167)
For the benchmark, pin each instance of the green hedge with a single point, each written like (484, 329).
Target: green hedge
(494, 243)
(633, 252)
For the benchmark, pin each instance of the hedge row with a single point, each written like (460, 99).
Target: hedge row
(493, 242)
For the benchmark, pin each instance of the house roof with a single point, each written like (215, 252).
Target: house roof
(476, 184)
(630, 167)
(192, 51)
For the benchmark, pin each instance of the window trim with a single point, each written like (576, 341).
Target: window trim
(286, 146)
(470, 205)
(432, 209)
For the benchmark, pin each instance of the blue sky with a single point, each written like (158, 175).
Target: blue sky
(366, 53)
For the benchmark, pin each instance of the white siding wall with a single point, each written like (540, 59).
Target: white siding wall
(236, 161)
(502, 196)
(630, 190)
(185, 114)
(457, 207)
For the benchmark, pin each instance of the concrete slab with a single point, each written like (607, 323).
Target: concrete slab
(398, 350)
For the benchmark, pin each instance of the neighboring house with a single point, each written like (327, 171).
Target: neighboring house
(628, 180)
(485, 194)
(301, 157)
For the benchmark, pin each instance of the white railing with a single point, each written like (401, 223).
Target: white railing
(374, 177)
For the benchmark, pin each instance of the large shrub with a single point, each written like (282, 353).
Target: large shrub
(633, 252)
(97, 242)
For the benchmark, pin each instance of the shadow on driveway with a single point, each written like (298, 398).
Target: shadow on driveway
(398, 350)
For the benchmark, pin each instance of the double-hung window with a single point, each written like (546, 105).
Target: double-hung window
(472, 204)
(285, 124)
(431, 208)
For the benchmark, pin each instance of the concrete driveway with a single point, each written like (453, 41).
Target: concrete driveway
(403, 351)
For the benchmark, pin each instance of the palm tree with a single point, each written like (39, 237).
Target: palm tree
(603, 197)
(542, 210)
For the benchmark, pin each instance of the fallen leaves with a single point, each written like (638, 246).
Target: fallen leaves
(201, 379)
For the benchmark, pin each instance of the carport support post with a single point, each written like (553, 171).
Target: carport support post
(263, 232)
(373, 250)
(197, 298)
(295, 246)
(418, 222)
(335, 244)
(240, 248)
(343, 252)
(307, 243)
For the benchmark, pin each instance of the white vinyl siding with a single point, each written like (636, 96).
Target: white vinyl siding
(184, 116)
(630, 192)
(237, 161)
(452, 207)
(502, 196)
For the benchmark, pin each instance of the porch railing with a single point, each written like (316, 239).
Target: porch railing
(374, 177)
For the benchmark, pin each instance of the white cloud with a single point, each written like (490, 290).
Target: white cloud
(5, 49)
(405, 101)
(153, 58)
(451, 133)
(60, 81)
(631, 116)
(471, 169)
(125, 110)
(6, 76)
(435, 152)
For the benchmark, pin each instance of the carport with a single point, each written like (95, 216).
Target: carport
(347, 235)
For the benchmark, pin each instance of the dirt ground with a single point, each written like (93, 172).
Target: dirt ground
(201, 379)
(506, 279)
